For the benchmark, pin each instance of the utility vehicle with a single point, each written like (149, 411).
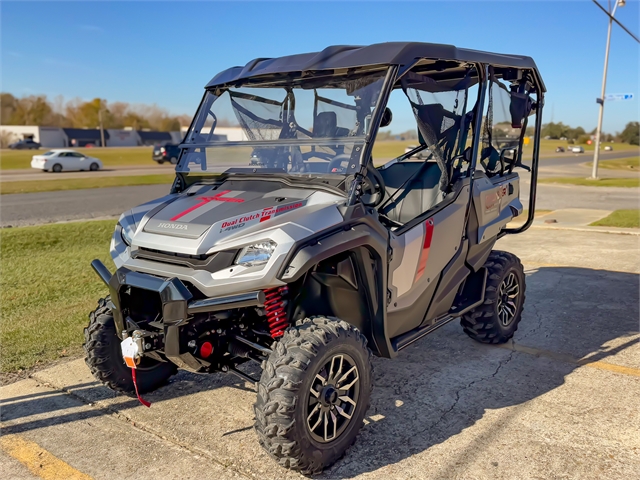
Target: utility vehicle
(284, 242)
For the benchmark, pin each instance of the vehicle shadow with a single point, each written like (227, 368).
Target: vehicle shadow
(180, 385)
(433, 391)
(446, 383)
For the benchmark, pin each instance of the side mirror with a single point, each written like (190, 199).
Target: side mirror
(387, 116)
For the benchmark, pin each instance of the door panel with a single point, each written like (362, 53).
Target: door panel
(419, 256)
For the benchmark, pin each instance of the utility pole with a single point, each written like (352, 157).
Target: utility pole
(596, 153)
(102, 144)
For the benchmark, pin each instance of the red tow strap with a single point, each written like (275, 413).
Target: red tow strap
(135, 384)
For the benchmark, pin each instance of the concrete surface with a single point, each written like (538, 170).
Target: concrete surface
(572, 217)
(562, 402)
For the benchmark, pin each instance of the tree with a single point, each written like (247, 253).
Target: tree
(631, 133)
(32, 110)
(170, 124)
(37, 110)
(8, 105)
(135, 121)
(554, 130)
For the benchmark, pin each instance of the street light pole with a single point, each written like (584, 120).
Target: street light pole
(596, 153)
(101, 128)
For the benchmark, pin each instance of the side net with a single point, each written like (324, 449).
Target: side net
(440, 115)
(260, 118)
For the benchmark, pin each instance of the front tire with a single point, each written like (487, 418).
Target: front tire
(497, 319)
(104, 357)
(94, 167)
(313, 394)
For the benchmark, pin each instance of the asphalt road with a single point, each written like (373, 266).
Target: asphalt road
(33, 174)
(568, 158)
(47, 207)
(561, 401)
(35, 208)
(154, 168)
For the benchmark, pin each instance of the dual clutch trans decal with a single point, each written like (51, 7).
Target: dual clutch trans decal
(259, 216)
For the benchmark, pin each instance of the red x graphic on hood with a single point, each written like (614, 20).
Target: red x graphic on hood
(219, 197)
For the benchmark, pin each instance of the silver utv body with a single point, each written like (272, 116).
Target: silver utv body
(396, 271)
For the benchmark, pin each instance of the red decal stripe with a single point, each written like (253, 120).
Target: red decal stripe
(216, 198)
(424, 255)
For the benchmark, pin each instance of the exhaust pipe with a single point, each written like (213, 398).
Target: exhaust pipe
(102, 271)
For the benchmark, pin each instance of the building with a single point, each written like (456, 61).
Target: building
(81, 137)
(50, 137)
(55, 137)
(148, 137)
(225, 134)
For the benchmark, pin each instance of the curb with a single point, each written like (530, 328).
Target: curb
(614, 230)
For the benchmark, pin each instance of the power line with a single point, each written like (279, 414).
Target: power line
(615, 20)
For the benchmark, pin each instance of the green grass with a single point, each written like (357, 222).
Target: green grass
(629, 163)
(386, 150)
(391, 149)
(588, 182)
(33, 186)
(47, 289)
(111, 156)
(620, 218)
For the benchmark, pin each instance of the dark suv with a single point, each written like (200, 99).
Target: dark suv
(27, 144)
(166, 153)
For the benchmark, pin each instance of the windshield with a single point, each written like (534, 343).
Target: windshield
(313, 126)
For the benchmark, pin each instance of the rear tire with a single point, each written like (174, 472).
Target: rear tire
(57, 168)
(293, 399)
(497, 319)
(174, 160)
(104, 357)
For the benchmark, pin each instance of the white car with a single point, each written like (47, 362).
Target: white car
(577, 149)
(608, 148)
(64, 160)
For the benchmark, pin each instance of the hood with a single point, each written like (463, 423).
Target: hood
(226, 208)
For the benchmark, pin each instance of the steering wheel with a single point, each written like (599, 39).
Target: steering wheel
(336, 165)
(373, 184)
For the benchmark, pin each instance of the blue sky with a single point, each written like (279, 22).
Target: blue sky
(165, 52)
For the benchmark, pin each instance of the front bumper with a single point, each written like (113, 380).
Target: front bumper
(177, 310)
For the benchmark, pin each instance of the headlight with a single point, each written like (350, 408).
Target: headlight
(126, 234)
(256, 254)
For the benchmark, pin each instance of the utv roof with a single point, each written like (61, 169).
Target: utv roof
(349, 56)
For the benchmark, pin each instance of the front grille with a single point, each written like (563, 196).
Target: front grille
(211, 263)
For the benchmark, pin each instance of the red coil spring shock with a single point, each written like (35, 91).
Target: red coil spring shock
(274, 306)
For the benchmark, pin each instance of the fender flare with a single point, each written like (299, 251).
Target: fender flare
(350, 237)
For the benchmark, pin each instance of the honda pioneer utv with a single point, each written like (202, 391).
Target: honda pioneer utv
(284, 242)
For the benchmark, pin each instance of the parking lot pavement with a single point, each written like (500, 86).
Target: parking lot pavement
(562, 401)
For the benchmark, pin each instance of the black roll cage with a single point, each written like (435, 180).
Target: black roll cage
(394, 74)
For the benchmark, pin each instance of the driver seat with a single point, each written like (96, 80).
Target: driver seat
(325, 125)
(418, 196)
